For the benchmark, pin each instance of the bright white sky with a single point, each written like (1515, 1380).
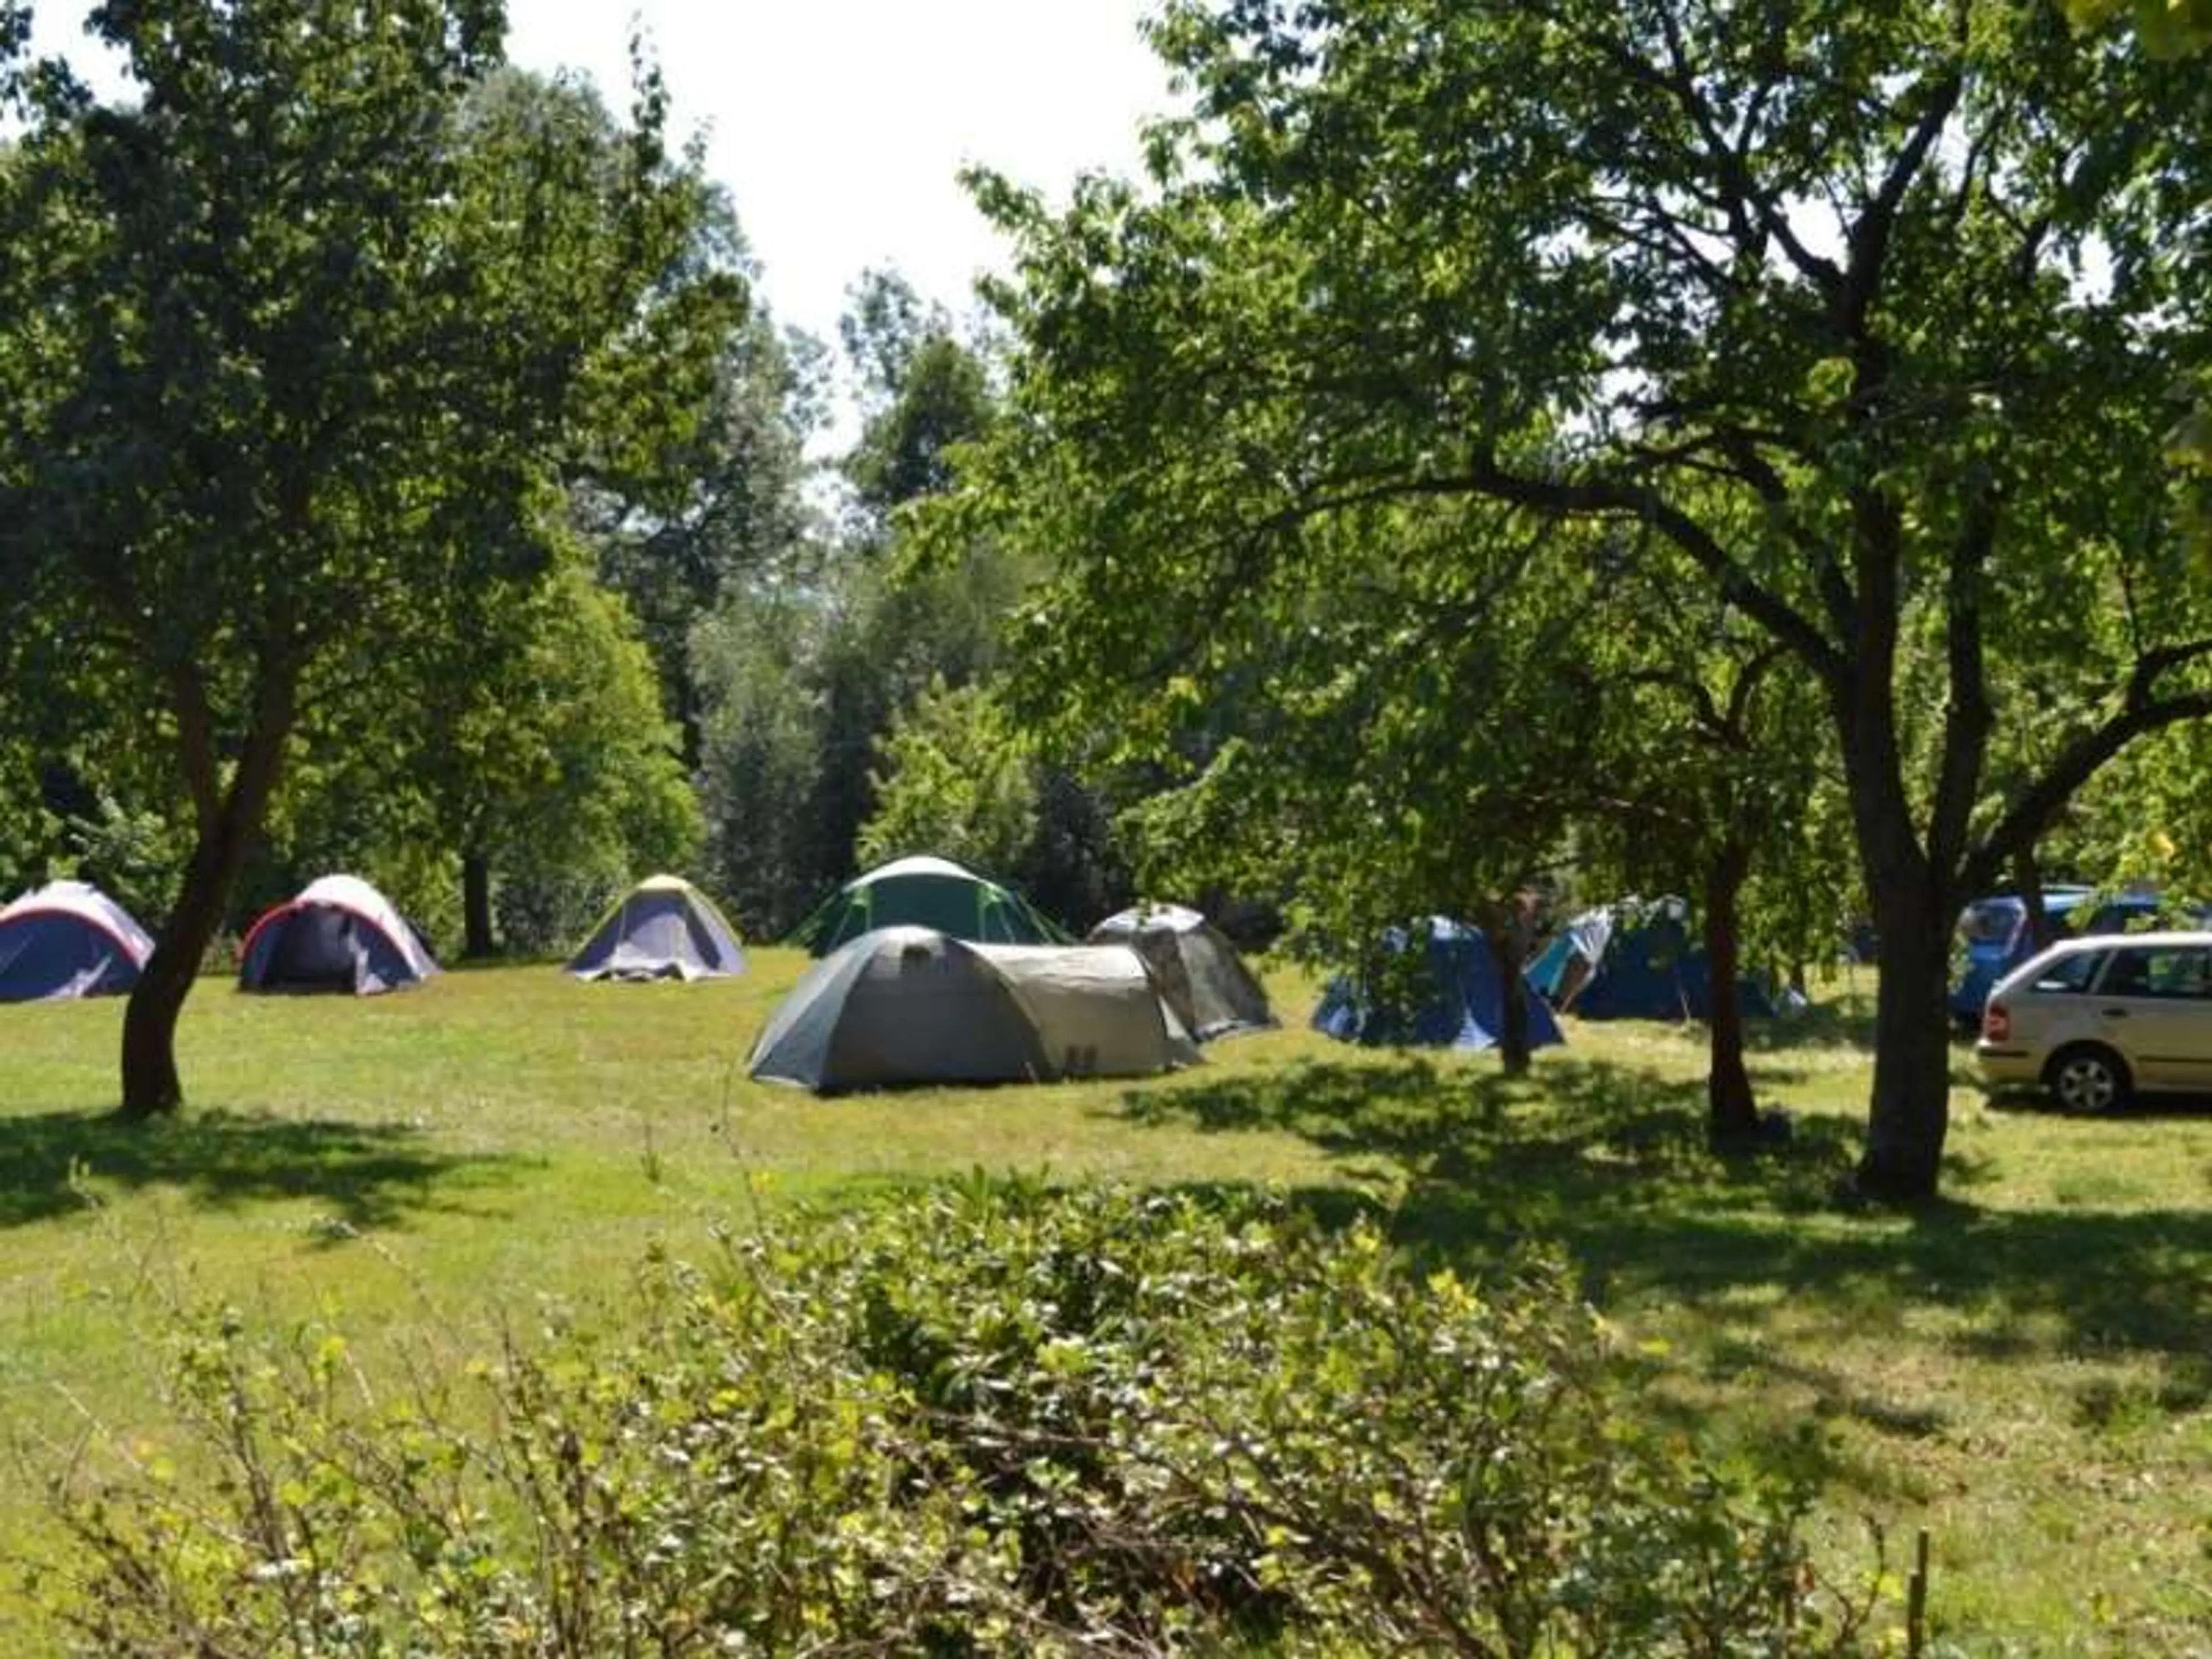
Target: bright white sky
(839, 124)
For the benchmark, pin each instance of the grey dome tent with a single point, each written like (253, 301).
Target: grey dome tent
(662, 928)
(340, 935)
(924, 892)
(1198, 970)
(901, 1006)
(68, 940)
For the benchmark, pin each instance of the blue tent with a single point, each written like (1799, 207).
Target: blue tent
(339, 935)
(68, 939)
(1459, 1006)
(1636, 961)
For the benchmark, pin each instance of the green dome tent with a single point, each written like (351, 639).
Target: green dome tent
(926, 892)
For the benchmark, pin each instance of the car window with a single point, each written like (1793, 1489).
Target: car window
(2069, 973)
(2167, 971)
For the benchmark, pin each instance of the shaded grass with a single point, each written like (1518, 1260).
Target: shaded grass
(368, 1175)
(2024, 1367)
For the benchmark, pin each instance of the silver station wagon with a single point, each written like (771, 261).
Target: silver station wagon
(2096, 1020)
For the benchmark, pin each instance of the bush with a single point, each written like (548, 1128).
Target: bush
(985, 1420)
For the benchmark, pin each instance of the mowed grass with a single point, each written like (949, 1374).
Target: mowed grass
(2025, 1369)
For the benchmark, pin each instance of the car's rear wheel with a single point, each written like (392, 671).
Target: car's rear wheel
(2089, 1080)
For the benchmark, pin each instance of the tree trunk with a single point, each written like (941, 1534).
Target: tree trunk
(1512, 999)
(476, 906)
(2028, 870)
(228, 827)
(150, 1083)
(1732, 1114)
(1911, 1113)
(1915, 900)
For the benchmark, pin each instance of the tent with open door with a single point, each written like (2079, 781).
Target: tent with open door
(1438, 987)
(68, 940)
(924, 892)
(340, 935)
(662, 928)
(1198, 971)
(1637, 960)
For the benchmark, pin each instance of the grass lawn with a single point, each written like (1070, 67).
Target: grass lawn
(2025, 1369)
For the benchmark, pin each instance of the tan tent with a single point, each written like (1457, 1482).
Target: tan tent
(1097, 1010)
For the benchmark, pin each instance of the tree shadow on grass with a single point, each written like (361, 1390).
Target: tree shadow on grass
(1611, 1163)
(368, 1175)
(1839, 1022)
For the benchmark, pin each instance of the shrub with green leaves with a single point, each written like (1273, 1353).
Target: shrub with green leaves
(988, 1419)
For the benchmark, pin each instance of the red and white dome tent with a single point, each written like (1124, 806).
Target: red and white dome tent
(339, 935)
(68, 940)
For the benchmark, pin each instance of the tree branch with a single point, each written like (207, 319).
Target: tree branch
(1869, 236)
(195, 742)
(1967, 719)
(2030, 813)
(1591, 499)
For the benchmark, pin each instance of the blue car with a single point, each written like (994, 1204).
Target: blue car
(1998, 939)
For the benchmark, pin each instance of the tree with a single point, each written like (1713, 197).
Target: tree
(2168, 28)
(810, 657)
(924, 391)
(952, 777)
(1384, 721)
(27, 828)
(296, 352)
(744, 513)
(1705, 765)
(1870, 314)
(547, 778)
(801, 673)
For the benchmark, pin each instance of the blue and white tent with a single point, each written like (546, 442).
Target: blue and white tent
(1457, 1001)
(662, 928)
(68, 940)
(340, 935)
(1637, 960)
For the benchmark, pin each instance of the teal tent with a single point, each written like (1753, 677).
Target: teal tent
(926, 892)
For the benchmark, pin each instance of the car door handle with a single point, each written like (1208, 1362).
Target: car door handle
(2113, 1013)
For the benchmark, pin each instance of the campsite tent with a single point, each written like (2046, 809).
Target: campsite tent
(1097, 1010)
(1198, 970)
(662, 928)
(340, 934)
(1457, 1000)
(899, 1006)
(924, 892)
(907, 1005)
(1636, 961)
(68, 940)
